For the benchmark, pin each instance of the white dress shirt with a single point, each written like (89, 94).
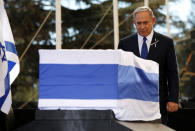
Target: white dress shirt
(148, 41)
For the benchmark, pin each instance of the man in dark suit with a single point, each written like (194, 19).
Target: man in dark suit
(148, 44)
(2, 121)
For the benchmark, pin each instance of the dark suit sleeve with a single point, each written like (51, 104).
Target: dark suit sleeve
(172, 73)
(120, 45)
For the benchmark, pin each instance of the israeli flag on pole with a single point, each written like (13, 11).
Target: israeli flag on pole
(99, 80)
(9, 62)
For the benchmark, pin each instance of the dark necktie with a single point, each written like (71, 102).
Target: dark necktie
(144, 51)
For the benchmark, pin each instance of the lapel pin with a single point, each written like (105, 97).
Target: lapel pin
(155, 42)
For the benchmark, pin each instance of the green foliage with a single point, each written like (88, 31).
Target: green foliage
(185, 49)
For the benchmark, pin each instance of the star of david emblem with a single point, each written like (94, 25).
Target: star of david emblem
(2, 53)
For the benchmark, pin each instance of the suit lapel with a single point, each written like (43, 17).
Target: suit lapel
(152, 47)
(135, 45)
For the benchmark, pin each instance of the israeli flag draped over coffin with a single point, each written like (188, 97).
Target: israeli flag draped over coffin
(100, 80)
(9, 62)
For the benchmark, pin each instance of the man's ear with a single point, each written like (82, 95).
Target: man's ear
(134, 22)
(153, 20)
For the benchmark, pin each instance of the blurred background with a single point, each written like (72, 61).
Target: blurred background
(79, 19)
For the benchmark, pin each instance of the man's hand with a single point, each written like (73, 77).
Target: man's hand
(172, 106)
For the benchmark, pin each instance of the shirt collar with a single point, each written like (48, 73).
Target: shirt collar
(148, 41)
(149, 37)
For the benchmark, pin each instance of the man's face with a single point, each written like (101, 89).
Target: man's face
(144, 23)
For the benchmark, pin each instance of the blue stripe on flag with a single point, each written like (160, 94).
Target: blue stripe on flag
(11, 64)
(100, 81)
(7, 89)
(10, 47)
(74, 81)
(134, 83)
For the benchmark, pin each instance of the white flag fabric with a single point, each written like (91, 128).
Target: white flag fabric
(100, 80)
(9, 62)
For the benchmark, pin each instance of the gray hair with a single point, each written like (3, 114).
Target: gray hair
(143, 8)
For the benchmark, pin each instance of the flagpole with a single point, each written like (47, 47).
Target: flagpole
(116, 26)
(167, 17)
(58, 25)
(146, 3)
